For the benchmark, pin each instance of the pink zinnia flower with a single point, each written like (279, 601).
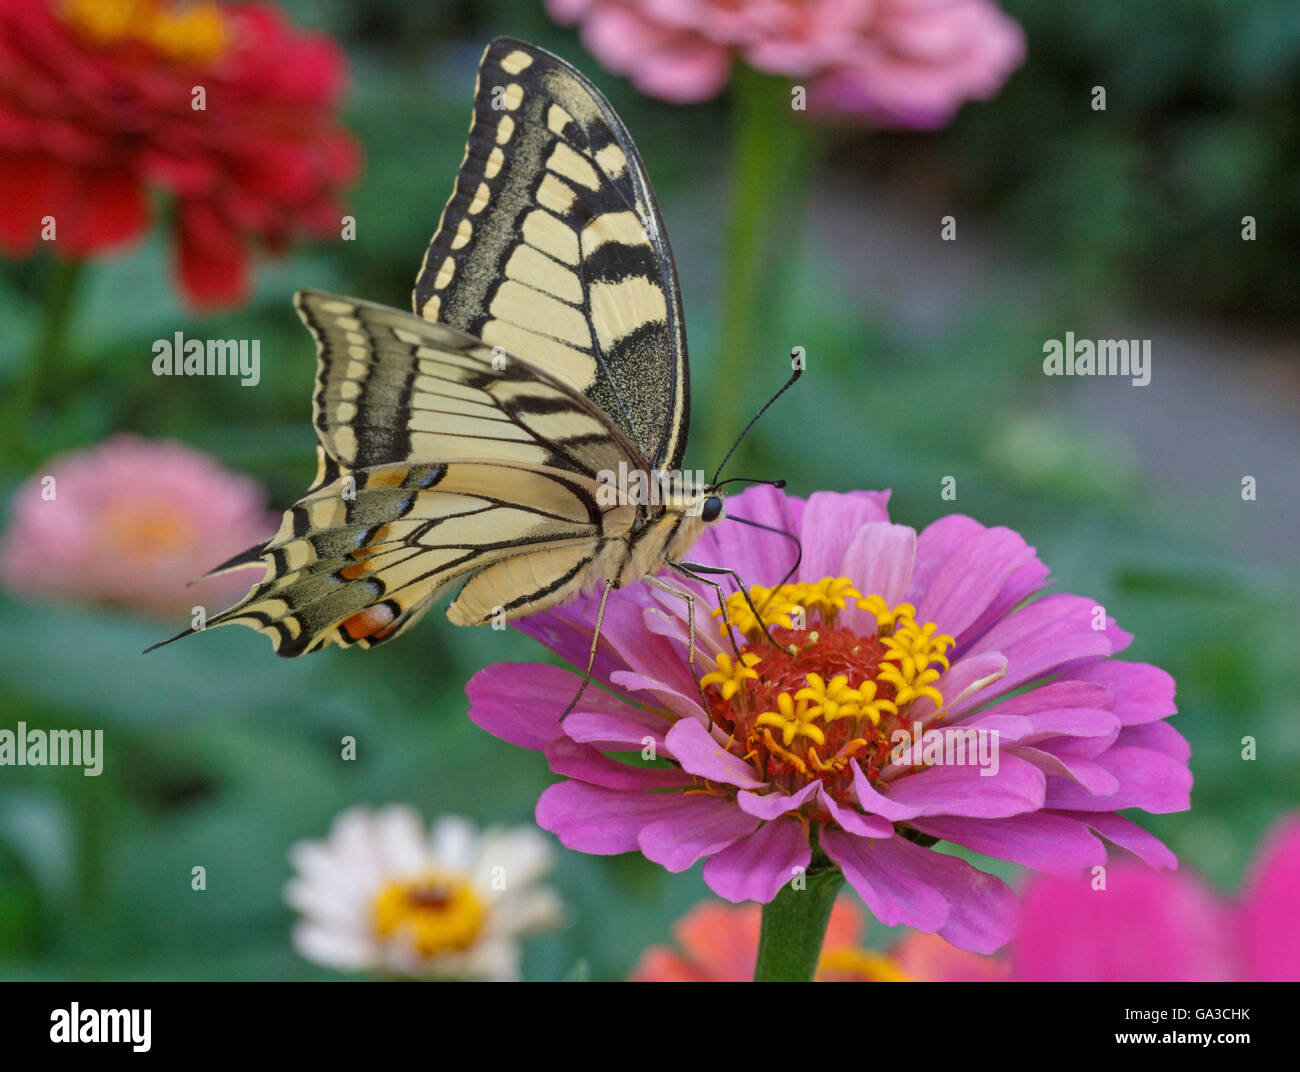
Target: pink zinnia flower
(131, 522)
(1166, 928)
(894, 632)
(908, 63)
(718, 943)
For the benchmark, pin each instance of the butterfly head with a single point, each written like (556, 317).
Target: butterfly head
(707, 504)
(689, 494)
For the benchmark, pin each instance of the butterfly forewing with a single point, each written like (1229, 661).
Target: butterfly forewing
(552, 247)
(391, 387)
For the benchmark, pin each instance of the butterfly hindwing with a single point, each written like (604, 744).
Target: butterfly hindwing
(552, 246)
(439, 460)
(360, 559)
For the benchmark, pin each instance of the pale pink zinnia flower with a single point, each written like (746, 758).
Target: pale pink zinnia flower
(1145, 926)
(131, 522)
(909, 63)
(718, 943)
(894, 632)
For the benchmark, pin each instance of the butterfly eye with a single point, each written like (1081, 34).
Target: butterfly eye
(712, 509)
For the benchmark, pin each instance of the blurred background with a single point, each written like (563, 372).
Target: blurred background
(790, 229)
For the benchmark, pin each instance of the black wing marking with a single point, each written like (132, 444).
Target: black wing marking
(553, 247)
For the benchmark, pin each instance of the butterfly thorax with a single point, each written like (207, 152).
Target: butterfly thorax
(665, 536)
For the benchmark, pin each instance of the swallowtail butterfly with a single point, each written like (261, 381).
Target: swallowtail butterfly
(461, 446)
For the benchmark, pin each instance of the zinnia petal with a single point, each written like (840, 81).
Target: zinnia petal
(756, 867)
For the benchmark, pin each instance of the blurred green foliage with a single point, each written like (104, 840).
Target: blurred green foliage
(220, 754)
(1145, 199)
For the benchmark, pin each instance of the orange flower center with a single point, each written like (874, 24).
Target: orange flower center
(140, 536)
(437, 913)
(848, 964)
(187, 33)
(834, 695)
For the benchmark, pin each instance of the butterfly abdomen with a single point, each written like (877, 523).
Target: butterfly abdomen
(666, 539)
(525, 584)
(553, 575)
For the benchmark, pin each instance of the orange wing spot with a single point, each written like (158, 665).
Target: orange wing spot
(354, 572)
(372, 548)
(389, 477)
(368, 622)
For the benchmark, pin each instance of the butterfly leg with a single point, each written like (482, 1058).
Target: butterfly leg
(591, 655)
(695, 567)
(677, 567)
(690, 637)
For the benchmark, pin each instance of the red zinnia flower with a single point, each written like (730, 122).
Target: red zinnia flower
(226, 107)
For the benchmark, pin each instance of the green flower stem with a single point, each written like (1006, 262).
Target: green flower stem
(794, 926)
(36, 384)
(771, 147)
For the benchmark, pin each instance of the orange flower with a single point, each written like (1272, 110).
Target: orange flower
(718, 943)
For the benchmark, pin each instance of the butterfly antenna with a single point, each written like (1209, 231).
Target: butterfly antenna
(753, 421)
(798, 558)
(748, 480)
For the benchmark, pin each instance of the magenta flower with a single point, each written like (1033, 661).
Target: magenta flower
(132, 522)
(1166, 928)
(909, 63)
(900, 639)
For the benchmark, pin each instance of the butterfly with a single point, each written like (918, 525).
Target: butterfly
(468, 446)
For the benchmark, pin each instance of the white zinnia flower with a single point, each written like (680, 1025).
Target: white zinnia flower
(380, 895)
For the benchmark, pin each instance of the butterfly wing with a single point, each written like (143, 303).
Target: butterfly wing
(552, 246)
(364, 556)
(441, 460)
(446, 459)
(393, 388)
